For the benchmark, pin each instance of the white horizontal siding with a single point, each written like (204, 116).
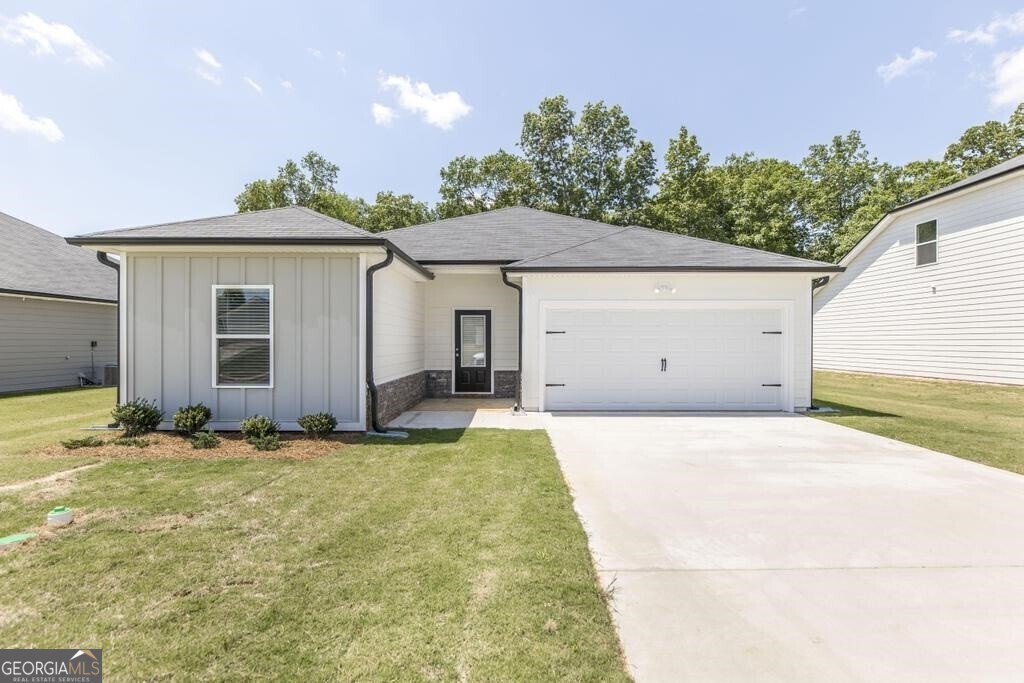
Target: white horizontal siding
(960, 318)
(45, 343)
(448, 292)
(398, 324)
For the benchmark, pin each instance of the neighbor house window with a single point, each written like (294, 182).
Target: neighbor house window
(242, 336)
(927, 236)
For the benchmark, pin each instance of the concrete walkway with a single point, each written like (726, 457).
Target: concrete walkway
(783, 548)
(461, 413)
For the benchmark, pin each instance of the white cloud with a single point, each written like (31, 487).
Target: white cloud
(903, 66)
(208, 66)
(287, 85)
(383, 115)
(1008, 78)
(796, 11)
(340, 54)
(437, 109)
(207, 58)
(252, 84)
(314, 52)
(46, 37)
(988, 34)
(14, 119)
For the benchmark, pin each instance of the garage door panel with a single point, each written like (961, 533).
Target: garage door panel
(610, 359)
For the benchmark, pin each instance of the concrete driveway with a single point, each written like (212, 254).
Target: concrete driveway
(784, 548)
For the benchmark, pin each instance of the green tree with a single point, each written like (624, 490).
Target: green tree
(985, 145)
(391, 211)
(895, 186)
(839, 175)
(689, 199)
(590, 166)
(310, 183)
(763, 200)
(471, 185)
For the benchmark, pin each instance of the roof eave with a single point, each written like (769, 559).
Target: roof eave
(86, 241)
(675, 269)
(55, 295)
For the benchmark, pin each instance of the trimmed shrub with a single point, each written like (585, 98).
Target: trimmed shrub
(133, 441)
(137, 417)
(86, 442)
(270, 442)
(318, 425)
(201, 440)
(258, 426)
(192, 419)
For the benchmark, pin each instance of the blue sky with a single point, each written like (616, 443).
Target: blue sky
(124, 113)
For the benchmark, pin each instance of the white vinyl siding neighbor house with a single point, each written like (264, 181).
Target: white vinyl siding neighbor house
(950, 308)
(58, 311)
(287, 312)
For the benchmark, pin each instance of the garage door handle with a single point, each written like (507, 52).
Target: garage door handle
(773, 332)
(555, 332)
(771, 385)
(664, 364)
(554, 385)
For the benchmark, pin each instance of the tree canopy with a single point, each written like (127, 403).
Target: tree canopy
(313, 183)
(592, 164)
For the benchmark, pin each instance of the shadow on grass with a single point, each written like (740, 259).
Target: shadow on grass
(843, 410)
(417, 436)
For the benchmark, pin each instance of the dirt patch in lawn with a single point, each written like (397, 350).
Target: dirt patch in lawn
(232, 447)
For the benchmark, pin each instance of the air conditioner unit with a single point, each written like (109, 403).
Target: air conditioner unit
(110, 375)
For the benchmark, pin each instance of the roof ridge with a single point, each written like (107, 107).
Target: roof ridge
(189, 220)
(574, 246)
(324, 217)
(451, 218)
(501, 208)
(730, 244)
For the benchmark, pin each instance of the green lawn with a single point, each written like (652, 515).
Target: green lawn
(453, 555)
(980, 422)
(43, 417)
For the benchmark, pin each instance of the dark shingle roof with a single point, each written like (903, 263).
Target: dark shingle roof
(636, 248)
(501, 235)
(290, 222)
(36, 261)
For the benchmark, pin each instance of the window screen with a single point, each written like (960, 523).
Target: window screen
(927, 243)
(242, 338)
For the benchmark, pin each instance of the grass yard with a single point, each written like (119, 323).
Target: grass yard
(453, 555)
(39, 418)
(980, 422)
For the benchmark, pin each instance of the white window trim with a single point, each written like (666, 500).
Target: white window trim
(917, 261)
(215, 336)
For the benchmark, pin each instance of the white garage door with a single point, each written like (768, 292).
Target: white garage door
(663, 359)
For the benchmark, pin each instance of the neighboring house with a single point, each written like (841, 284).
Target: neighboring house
(286, 312)
(58, 310)
(935, 289)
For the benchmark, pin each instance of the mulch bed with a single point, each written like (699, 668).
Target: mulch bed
(232, 447)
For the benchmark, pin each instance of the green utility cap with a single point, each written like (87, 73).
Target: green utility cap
(16, 538)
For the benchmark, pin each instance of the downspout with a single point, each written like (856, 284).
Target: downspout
(370, 384)
(104, 258)
(518, 408)
(815, 283)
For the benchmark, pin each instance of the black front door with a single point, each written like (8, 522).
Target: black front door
(472, 351)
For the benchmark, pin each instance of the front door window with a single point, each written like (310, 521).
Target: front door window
(472, 352)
